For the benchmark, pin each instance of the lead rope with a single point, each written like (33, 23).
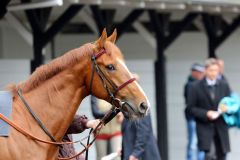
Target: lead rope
(96, 130)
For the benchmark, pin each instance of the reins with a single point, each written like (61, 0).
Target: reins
(103, 121)
(35, 116)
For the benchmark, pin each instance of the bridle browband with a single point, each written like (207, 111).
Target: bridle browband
(116, 108)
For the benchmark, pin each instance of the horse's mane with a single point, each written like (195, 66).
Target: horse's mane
(57, 65)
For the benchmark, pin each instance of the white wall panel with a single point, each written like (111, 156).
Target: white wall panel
(13, 71)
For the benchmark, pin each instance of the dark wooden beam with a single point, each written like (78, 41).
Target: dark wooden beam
(3, 7)
(159, 23)
(43, 15)
(211, 34)
(109, 15)
(61, 22)
(216, 33)
(38, 20)
(128, 21)
(38, 25)
(185, 22)
(160, 79)
(228, 31)
(103, 19)
(209, 25)
(34, 21)
(98, 17)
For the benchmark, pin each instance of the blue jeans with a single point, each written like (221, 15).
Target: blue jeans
(192, 149)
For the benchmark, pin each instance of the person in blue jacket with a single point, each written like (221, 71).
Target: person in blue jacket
(139, 142)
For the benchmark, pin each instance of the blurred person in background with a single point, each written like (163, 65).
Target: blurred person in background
(139, 142)
(221, 70)
(109, 139)
(197, 73)
(221, 75)
(202, 103)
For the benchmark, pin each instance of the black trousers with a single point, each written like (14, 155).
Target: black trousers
(215, 152)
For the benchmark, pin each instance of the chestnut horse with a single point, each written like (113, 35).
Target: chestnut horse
(55, 90)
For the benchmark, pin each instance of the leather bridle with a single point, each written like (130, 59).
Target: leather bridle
(105, 79)
(117, 106)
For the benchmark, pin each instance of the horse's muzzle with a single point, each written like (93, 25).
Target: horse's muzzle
(143, 108)
(129, 111)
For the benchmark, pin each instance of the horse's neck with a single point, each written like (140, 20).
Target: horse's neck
(57, 99)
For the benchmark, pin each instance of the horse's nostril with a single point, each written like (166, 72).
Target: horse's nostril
(143, 107)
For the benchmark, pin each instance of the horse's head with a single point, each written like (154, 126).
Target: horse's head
(109, 69)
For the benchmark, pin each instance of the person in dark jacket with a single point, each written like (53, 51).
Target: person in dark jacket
(139, 142)
(204, 97)
(78, 125)
(197, 73)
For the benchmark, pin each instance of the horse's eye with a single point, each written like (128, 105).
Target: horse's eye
(110, 67)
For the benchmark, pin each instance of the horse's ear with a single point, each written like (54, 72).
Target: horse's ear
(100, 42)
(113, 37)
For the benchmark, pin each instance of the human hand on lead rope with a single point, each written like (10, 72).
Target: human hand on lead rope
(120, 117)
(93, 123)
